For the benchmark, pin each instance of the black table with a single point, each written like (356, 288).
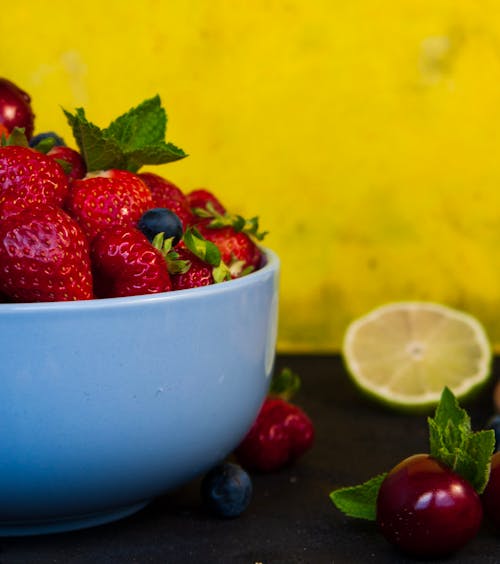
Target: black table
(291, 519)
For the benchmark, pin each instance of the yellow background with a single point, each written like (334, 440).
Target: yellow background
(364, 134)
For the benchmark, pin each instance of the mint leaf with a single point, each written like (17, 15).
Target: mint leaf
(143, 125)
(132, 140)
(152, 155)
(359, 501)
(453, 442)
(98, 152)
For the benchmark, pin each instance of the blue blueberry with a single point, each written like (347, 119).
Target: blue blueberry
(226, 490)
(494, 423)
(161, 220)
(46, 138)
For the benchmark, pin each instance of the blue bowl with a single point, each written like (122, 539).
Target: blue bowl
(109, 403)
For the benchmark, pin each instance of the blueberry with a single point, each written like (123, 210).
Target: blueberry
(161, 220)
(47, 137)
(494, 423)
(226, 490)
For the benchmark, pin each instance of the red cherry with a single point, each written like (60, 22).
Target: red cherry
(15, 108)
(491, 494)
(426, 509)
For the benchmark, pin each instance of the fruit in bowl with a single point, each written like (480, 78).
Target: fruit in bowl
(136, 354)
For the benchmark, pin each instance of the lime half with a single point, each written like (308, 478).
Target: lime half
(405, 353)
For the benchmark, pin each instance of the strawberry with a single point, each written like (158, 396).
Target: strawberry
(161, 188)
(126, 264)
(29, 178)
(75, 162)
(237, 249)
(198, 199)
(108, 199)
(198, 273)
(281, 433)
(44, 257)
(168, 195)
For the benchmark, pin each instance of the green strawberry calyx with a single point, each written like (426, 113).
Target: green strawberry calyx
(207, 252)
(134, 139)
(202, 248)
(237, 222)
(175, 264)
(285, 384)
(16, 137)
(451, 441)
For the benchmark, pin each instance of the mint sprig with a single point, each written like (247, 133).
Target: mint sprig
(451, 440)
(132, 140)
(359, 501)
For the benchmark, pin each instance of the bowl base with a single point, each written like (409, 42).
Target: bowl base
(70, 523)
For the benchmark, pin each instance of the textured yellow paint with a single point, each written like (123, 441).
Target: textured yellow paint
(364, 134)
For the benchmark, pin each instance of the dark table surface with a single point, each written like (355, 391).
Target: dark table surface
(291, 518)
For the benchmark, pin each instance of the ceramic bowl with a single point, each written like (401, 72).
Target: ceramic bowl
(106, 404)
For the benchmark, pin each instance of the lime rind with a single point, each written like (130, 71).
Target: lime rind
(379, 366)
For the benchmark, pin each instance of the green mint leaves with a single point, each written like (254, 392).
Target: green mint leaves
(451, 441)
(132, 140)
(359, 501)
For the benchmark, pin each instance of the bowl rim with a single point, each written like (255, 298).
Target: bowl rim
(272, 264)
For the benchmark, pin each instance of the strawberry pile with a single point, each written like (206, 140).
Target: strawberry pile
(86, 224)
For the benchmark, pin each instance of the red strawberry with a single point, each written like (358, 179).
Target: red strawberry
(77, 168)
(200, 198)
(198, 274)
(281, 433)
(126, 264)
(27, 178)
(44, 257)
(237, 249)
(108, 199)
(167, 195)
(161, 188)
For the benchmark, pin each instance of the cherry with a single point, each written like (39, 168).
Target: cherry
(491, 494)
(426, 509)
(15, 108)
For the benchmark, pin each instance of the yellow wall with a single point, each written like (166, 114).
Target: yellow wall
(365, 134)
